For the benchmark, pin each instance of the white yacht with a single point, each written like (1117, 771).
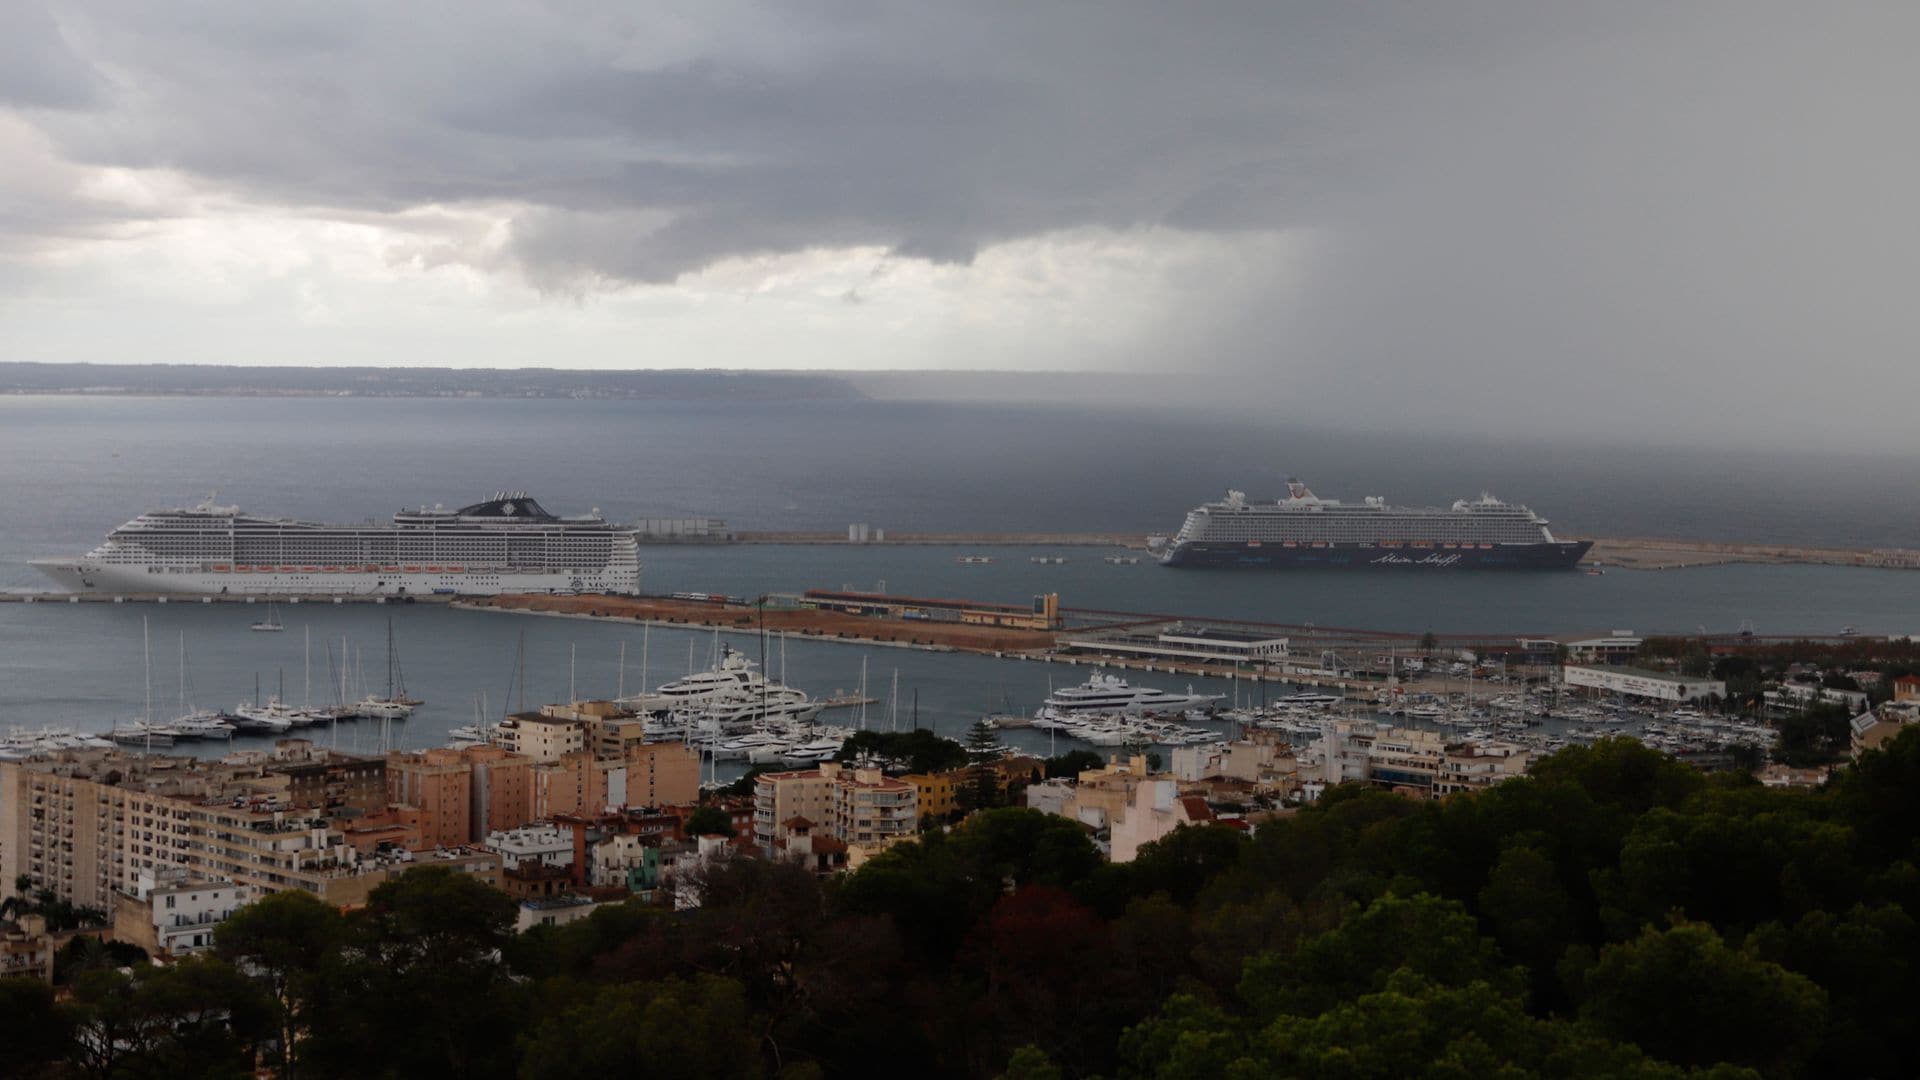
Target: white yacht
(274, 716)
(733, 677)
(726, 699)
(1110, 693)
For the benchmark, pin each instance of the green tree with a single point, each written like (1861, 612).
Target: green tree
(709, 821)
(1017, 846)
(916, 751)
(430, 938)
(33, 1033)
(1433, 938)
(21, 901)
(670, 1029)
(1530, 914)
(1816, 735)
(982, 789)
(1030, 1063)
(285, 938)
(1071, 764)
(1683, 996)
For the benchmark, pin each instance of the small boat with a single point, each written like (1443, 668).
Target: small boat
(1123, 560)
(272, 621)
(973, 560)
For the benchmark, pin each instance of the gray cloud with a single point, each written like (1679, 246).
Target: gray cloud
(38, 69)
(1520, 214)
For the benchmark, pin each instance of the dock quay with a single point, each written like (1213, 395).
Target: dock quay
(1636, 553)
(19, 596)
(956, 539)
(1657, 554)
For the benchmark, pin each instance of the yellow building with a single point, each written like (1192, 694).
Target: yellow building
(937, 793)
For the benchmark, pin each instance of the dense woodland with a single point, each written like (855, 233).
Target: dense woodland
(1613, 914)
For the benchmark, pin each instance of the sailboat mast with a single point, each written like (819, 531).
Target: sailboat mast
(573, 652)
(146, 648)
(863, 693)
(620, 687)
(306, 691)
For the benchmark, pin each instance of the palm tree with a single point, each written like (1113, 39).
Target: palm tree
(18, 904)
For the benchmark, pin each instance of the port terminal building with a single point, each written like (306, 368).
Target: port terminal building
(1042, 614)
(1180, 641)
(687, 530)
(1640, 683)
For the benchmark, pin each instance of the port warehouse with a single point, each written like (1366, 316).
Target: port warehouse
(682, 530)
(1042, 614)
(1180, 641)
(1640, 683)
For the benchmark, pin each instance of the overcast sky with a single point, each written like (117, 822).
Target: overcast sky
(1694, 218)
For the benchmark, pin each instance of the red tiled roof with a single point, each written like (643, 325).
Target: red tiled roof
(1197, 808)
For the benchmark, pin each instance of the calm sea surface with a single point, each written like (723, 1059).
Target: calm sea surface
(70, 469)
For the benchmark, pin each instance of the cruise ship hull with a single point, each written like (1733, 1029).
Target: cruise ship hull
(1558, 555)
(83, 576)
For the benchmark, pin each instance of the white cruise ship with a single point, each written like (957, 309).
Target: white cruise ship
(506, 544)
(1112, 694)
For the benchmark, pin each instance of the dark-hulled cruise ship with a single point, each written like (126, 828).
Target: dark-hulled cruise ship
(1306, 531)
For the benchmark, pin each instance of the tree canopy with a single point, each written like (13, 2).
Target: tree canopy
(1613, 914)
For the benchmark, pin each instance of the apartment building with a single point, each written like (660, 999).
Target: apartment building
(850, 804)
(937, 795)
(870, 806)
(542, 737)
(1415, 761)
(587, 757)
(89, 824)
(27, 948)
(170, 912)
(1155, 810)
(438, 785)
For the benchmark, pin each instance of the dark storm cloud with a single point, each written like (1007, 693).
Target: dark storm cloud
(1666, 217)
(931, 129)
